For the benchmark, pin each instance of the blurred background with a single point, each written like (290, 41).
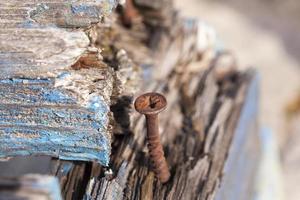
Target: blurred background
(265, 35)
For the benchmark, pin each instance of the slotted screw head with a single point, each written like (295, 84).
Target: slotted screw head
(150, 103)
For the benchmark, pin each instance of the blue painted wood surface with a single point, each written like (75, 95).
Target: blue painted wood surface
(269, 183)
(243, 158)
(40, 42)
(37, 118)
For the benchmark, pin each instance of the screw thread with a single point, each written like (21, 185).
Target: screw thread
(156, 153)
(159, 163)
(150, 104)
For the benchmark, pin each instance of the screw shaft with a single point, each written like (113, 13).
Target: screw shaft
(150, 104)
(159, 163)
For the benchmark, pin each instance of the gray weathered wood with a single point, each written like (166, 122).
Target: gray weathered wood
(204, 109)
(205, 117)
(196, 163)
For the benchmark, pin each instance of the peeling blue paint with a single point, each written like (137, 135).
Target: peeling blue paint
(89, 10)
(51, 116)
(29, 24)
(55, 96)
(25, 81)
(98, 105)
(20, 91)
(63, 75)
(38, 119)
(69, 144)
(66, 167)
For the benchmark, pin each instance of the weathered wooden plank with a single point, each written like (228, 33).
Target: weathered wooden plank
(35, 111)
(55, 87)
(30, 187)
(175, 70)
(23, 52)
(196, 174)
(72, 104)
(40, 117)
(190, 149)
(28, 27)
(62, 13)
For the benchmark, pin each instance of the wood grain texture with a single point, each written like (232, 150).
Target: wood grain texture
(32, 42)
(119, 49)
(55, 87)
(63, 13)
(204, 116)
(84, 103)
(196, 163)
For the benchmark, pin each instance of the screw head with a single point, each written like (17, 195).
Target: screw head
(150, 103)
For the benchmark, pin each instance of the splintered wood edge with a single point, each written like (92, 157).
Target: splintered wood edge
(39, 44)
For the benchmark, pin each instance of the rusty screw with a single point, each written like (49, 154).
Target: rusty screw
(129, 13)
(150, 104)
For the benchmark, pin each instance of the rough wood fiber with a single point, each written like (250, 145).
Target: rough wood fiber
(55, 88)
(204, 114)
(204, 110)
(196, 162)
